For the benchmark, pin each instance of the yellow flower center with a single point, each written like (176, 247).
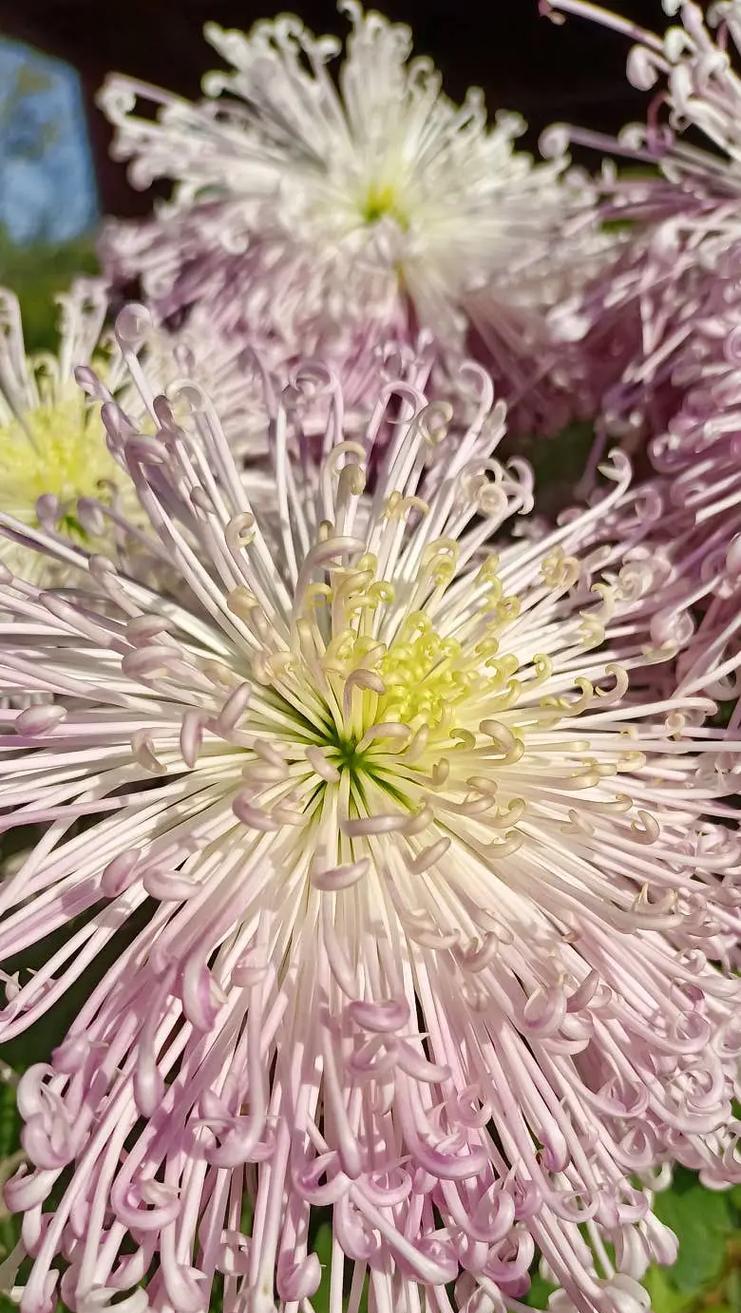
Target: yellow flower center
(54, 449)
(425, 675)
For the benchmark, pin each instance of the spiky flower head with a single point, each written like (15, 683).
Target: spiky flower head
(409, 880)
(681, 257)
(331, 214)
(699, 486)
(57, 472)
(665, 322)
(53, 452)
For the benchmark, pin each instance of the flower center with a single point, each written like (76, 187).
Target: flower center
(381, 201)
(365, 716)
(55, 450)
(346, 756)
(425, 675)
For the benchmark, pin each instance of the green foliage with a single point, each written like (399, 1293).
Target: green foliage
(9, 1122)
(706, 1277)
(665, 1297)
(9, 1140)
(558, 465)
(703, 1221)
(323, 1246)
(540, 1289)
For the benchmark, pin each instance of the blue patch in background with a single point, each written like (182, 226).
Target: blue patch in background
(47, 184)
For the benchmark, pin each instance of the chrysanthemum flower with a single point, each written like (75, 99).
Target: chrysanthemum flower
(53, 450)
(680, 262)
(665, 324)
(328, 216)
(699, 482)
(687, 517)
(410, 881)
(56, 469)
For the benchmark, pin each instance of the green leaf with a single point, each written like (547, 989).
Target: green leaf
(323, 1245)
(733, 1287)
(37, 273)
(321, 1241)
(10, 1125)
(665, 1298)
(9, 1122)
(702, 1220)
(540, 1289)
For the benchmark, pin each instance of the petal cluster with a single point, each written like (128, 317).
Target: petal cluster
(677, 203)
(53, 456)
(417, 893)
(327, 216)
(663, 324)
(379, 836)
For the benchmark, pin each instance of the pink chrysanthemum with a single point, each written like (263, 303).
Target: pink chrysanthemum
(665, 323)
(326, 217)
(681, 258)
(698, 459)
(687, 520)
(418, 895)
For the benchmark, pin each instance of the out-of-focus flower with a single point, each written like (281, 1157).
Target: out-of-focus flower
(698, 460)
(681, 255)
(57, 471)
(53, 450)
(326, 217)
(665, 323)
(59, 481)
(432, 879)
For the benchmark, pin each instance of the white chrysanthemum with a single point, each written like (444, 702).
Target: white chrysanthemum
(313, 210)
(422, 881)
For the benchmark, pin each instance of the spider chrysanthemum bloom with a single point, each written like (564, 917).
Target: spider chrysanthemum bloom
(327, 215)
(57, 472)
(699, 481)
(53, 451)
(681, 259)
(409, 878)
(665, 323)
(687, 513)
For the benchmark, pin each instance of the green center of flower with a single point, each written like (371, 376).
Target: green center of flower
(345, 755)
(365, 712)
(381, 201)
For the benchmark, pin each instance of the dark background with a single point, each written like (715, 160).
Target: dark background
(574, 72)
